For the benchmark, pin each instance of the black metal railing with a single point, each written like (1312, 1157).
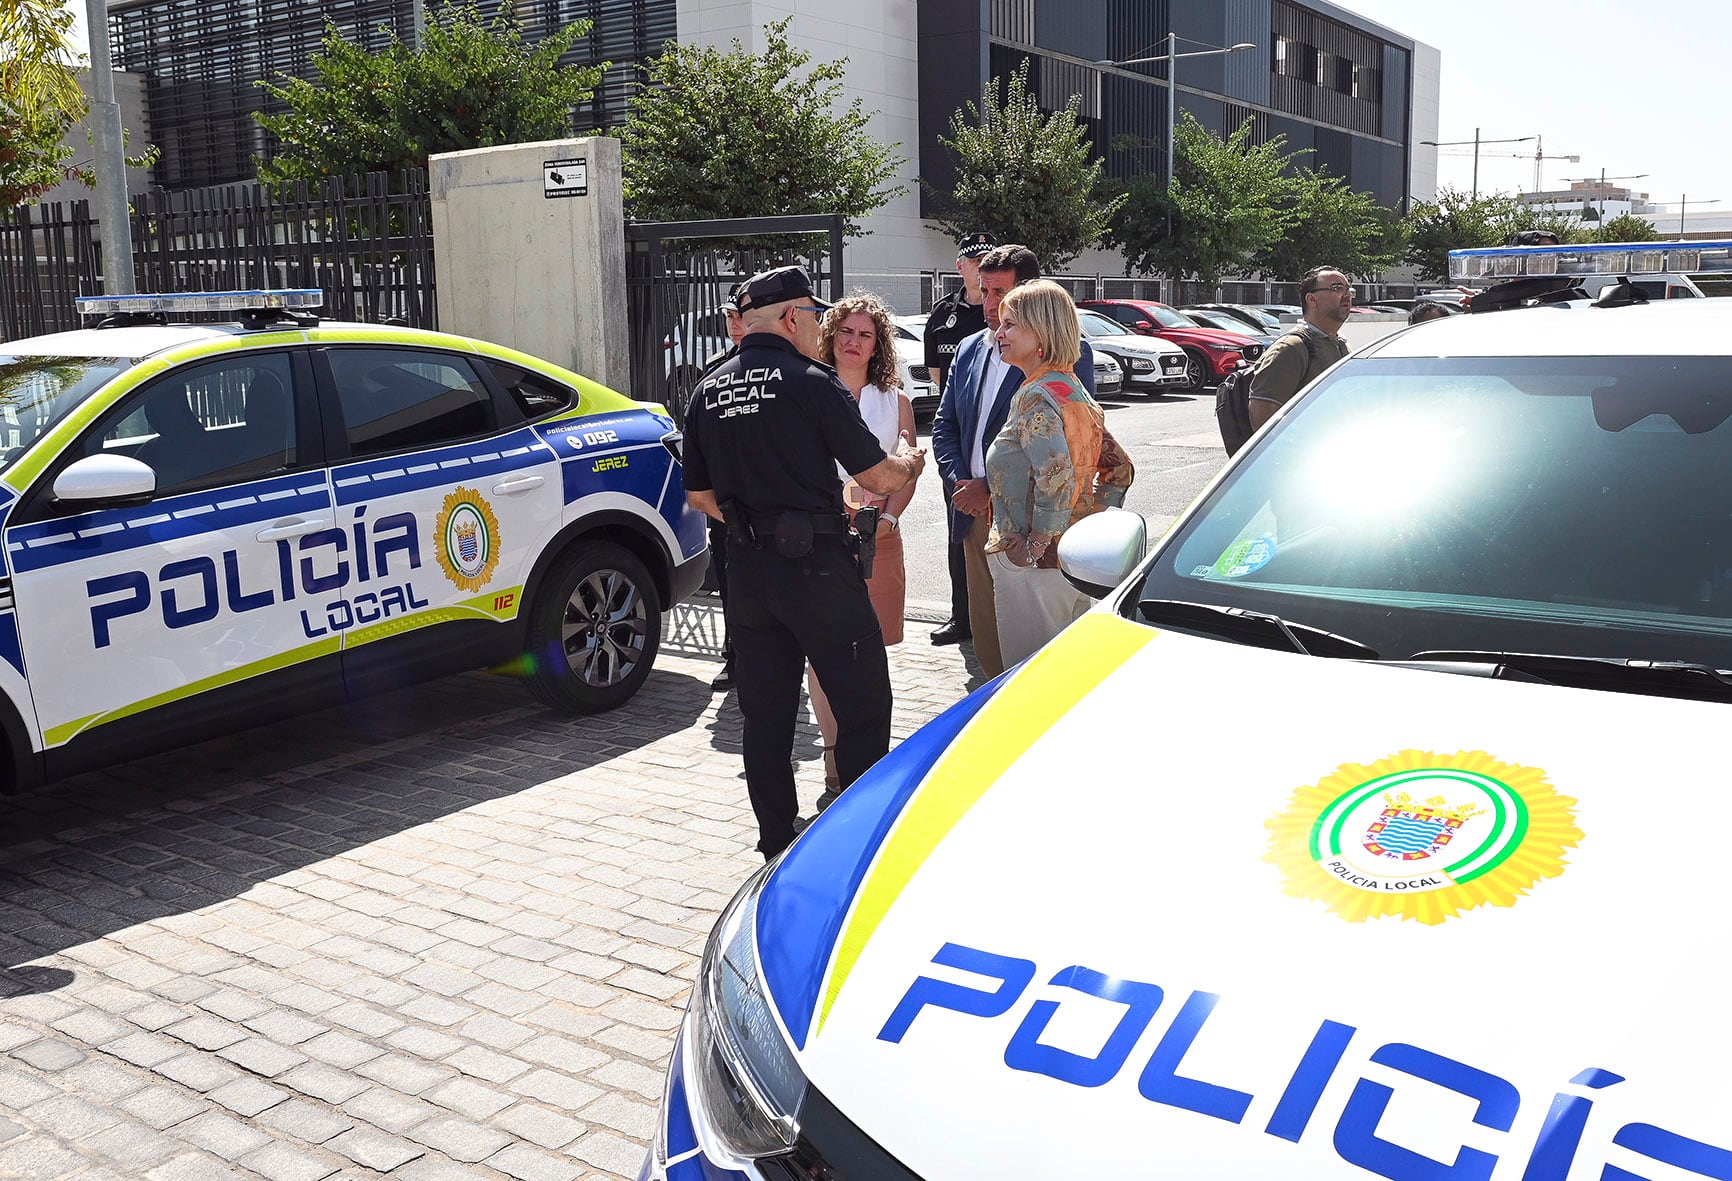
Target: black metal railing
(365, 241)
(48, 257)
(677, 277)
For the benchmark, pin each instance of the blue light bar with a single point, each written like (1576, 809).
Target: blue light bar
(1491, 264)
(202, 301)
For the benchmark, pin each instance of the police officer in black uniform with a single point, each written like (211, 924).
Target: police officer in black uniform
(763, 436)
(718, 531)
(954, 319)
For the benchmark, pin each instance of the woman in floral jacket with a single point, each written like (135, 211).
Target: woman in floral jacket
(1044, 470)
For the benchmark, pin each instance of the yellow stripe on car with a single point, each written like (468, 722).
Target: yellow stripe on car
(1043, 691)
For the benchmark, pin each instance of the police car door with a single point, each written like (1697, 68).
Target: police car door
(448, 495)
(149, 624)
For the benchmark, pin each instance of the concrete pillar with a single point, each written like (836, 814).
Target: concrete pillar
(527, 260)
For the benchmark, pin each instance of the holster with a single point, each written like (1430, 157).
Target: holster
(794, 535)
(739, 523)
(864, 541)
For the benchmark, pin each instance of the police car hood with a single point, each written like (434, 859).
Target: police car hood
(1155, 905)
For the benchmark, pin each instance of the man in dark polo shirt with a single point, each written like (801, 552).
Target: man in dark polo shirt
(764, 433)
(954, 319)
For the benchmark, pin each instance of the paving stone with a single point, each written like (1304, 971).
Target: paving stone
(201, 1072)
(279, 1162)
(49, 1054)
(221, 1134)
(485, 1064)
(193, 1166)
(340, 1050)
(160, 1107)
(9, 1130)
(530, 1164)
(386, 1109)
(248, 1096)
(460, 1139)
(286, 1029)
(18, 1090)
(207, 1033)
(323, 1082)
(134, 1146)
(262, 1057)
(538, 1125)
(37, 1158)
(402, 1073)
(632, 1117)
(375, 1150)
(561, 1091)
(70, 1117)
(144, 1049)
(425, 1043)
(301, 1120)
(469, 1098)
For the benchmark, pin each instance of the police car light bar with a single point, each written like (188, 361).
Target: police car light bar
(1491, 264)
(202, 301)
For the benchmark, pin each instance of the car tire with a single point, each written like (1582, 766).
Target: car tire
(1196, 371)
(594, 630)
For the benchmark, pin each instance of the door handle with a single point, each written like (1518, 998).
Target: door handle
(294, 527)
(521, 484)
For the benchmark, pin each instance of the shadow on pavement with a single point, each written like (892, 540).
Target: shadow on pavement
(92, 855)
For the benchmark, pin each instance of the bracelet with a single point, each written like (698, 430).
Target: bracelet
(894, 520)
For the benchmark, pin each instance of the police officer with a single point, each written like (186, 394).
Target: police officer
(764, 434)
(719, 531)
(954, 319)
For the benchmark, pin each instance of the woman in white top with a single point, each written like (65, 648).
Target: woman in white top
(859, 340)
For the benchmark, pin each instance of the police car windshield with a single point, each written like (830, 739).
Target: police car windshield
(37, 392)
(1578, 506)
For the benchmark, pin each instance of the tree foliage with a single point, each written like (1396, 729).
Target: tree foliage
(32, 157)
(473, 83)
(1627, 227)
(38, 68)
(1332, 224)
(730, 133)
(1231, 201)
(1025, 176)
(1460, 221)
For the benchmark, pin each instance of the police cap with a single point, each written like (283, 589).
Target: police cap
(777, 286)
(975, 246)
(732, 303)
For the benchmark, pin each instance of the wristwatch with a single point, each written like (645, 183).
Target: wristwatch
(892, 518)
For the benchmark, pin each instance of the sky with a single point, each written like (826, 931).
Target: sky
(1627, 87)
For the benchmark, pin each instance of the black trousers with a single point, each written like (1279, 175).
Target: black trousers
(783, 612)
(719, 572)
(956, 560)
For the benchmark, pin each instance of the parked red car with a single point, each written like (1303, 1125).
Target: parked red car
(1214, 353)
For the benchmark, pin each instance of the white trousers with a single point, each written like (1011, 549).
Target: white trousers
(1033, 606)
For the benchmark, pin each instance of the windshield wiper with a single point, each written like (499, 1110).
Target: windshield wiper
(1662, 678)
(1259, 629)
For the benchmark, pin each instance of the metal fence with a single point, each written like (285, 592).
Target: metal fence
(677, 278)
(48, 257)
(365, 241)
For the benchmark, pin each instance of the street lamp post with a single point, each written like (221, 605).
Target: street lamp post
(1476, 141)
(1171, 57)
(110, 159)
(1684, 200)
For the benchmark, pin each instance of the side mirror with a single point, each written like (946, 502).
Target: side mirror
(1143, 326)
(105, 477)
(1100, 551)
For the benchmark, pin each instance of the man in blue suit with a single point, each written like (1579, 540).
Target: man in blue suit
(971, 412)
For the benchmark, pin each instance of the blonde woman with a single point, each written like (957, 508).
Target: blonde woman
(858, 339)
(1041, 469)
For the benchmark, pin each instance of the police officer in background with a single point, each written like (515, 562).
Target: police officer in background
(954, 319)
(763, 436)
(736, 327)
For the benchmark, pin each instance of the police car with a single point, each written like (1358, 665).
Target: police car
(212, 525)
(1417, 879)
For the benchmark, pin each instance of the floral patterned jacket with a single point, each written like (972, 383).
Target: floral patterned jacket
(1054, 462)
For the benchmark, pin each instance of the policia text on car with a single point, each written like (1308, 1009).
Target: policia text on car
(764, 433)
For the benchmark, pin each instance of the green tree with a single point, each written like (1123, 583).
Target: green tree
(1459, 221)
(1025, 176)
(1333, 224)
(33, 158)
(473, 83)
(38, 68)
(729, 133)
(1627, 227)
(1230, 201)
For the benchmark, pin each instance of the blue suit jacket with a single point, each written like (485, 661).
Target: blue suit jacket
(963, 402)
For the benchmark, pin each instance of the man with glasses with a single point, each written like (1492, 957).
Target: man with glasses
(1309, 348)
(763, 436)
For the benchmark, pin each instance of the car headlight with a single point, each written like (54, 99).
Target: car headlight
(1220, 348)
(742, 1083)
(1142, 364)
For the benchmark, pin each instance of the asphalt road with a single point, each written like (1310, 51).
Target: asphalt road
(1172, 440)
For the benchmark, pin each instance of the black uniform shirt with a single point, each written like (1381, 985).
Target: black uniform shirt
(768, 427)
(953, 320)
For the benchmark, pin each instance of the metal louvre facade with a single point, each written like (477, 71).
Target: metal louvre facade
(203, 59)
(1334, 85)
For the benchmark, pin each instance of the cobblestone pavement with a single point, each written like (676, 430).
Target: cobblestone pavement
(441, 934)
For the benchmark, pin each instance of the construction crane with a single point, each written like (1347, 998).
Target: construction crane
(1539, 156)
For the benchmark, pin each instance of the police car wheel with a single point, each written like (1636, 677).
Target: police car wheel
(1196, 370)
(594, 630)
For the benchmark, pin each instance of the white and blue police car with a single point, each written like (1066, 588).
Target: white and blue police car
(1366, 828)
(211, 525)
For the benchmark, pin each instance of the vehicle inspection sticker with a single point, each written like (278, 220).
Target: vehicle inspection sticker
(1422, 836)
(1245, 556)
(468, 539)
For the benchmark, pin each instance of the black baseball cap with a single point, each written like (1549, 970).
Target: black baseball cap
(777, 286)
(975, 245)
(734, 294)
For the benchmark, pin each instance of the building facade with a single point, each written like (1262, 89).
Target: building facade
(1358, 97)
